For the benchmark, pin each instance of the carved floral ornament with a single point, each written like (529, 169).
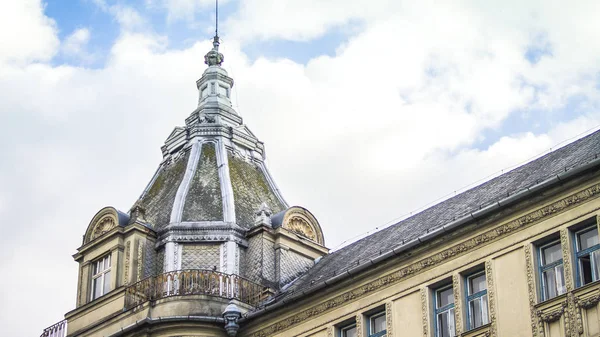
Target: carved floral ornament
(104, 221)
(104, 225)
(300, 221)
(301, 227)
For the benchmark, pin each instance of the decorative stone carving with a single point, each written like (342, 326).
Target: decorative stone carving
(330, 331)
(566, 255)
(531, 289)
(425, 312)
(389, 319)
(140, 260)
(104, 225)
(457, 304)
(584, 304)
(207, 119)
(445, 255)
(263, 215)
(138, 213)
(552, 316)
(489, 275)
(127, 260)
(301, 227)
(359, 328)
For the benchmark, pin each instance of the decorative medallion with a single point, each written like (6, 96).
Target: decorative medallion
(301, 227)
(104, 225)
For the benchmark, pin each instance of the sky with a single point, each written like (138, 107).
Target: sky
(369, 110)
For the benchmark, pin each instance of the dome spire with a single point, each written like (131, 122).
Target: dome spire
(214, 57)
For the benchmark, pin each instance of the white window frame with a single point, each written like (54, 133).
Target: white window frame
(100, 275)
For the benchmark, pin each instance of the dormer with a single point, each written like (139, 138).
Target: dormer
(112, 253)
(294, 240)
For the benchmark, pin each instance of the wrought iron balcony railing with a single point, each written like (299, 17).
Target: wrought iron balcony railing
(57, 330)
(193, 282)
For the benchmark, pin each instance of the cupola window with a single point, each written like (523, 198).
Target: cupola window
(101, 277)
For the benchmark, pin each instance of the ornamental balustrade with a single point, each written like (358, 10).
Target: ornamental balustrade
(57, 330)
(193, 282)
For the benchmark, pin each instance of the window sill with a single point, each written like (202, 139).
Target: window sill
(482, 331)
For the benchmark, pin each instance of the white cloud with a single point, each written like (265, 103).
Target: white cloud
(128, 18)
(381, 128)
(26, 34)
(75, 44)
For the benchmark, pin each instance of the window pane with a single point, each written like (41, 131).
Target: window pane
(551, 254)
(549, 284)
(378, 324)
(588, 239)
(451, 324)
(477, 284)
(108, 264)
(106, 282)
(585, 269)
(97, 287)
(445, 297)
(484, 309)
(349, 332)
(596, 265)
(475, 313)
(560, 279)
(443, 327)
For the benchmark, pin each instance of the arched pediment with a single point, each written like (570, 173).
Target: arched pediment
(104, 221)
(300, 221)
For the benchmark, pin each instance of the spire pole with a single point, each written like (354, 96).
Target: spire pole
(217, 18)
(214, 58)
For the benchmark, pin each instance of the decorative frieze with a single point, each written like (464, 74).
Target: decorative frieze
(447, 254)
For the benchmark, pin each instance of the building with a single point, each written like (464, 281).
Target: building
(211, 248)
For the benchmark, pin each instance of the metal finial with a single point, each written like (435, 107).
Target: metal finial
(214, 58)
(216, 18)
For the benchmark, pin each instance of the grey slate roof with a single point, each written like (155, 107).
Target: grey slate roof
(204, 201)
(575, 154)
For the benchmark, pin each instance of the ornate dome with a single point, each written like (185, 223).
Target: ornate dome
(213, 173)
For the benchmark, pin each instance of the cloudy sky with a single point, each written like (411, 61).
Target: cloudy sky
(369, 109)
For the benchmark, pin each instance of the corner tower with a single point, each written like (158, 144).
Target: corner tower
(211, 231)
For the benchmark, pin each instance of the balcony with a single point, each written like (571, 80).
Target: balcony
(57, 330)
(194, 282)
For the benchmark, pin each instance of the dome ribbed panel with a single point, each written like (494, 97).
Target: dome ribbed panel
(250, 190)
(158, 201)
(204, 201)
